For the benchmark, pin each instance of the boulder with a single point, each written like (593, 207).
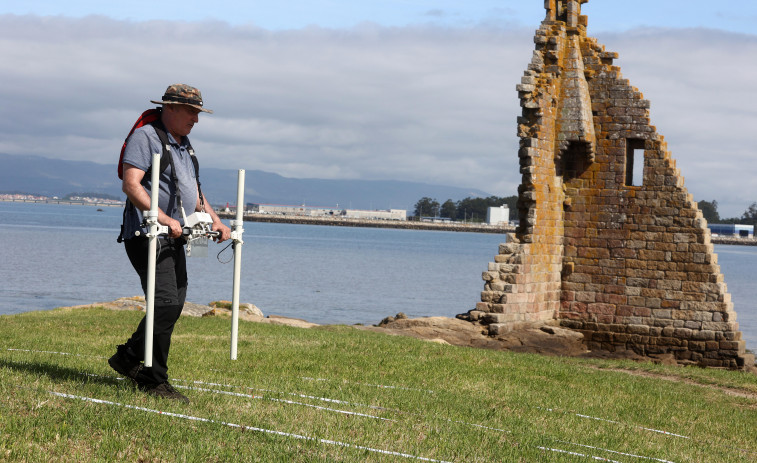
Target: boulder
(247, 311)
(544, 338)
(295, 322)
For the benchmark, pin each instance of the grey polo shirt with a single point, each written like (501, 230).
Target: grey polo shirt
(139, 148)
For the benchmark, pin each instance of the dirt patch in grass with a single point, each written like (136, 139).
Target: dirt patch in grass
(678, 379)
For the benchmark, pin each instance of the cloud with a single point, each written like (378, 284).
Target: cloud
(436, 13)
(703, 101)
(419, 103)
(369, 102)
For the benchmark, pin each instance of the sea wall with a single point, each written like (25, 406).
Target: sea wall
(400, 224)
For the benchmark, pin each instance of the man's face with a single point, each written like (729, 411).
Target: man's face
(179, 119)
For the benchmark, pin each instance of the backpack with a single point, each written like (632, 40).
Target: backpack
(147, 117)
(152, 117)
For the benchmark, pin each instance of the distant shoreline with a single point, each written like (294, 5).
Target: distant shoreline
(67, 202)
(345, 222)
(408, 225)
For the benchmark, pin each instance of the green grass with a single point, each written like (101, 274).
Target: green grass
(424, 399)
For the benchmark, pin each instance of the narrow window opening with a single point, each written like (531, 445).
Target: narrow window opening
(634, 162)
(575, 160)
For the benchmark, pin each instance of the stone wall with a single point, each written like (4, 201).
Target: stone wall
(627, 261)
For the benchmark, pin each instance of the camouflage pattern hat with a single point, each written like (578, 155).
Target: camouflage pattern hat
(183, 94)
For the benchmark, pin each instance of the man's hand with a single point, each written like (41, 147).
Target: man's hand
(224, 233)
(174, 227)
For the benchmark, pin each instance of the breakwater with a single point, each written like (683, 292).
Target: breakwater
(346, 222)
(411, 225)
(733, 240)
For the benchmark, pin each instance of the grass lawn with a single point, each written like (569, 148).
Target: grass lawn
(337, 393)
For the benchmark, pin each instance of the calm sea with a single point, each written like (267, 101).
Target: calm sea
(62, 255)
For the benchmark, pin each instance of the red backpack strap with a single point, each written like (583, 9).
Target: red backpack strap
(147, 117)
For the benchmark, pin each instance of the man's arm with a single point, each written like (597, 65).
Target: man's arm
(225, 232)
(132, 186)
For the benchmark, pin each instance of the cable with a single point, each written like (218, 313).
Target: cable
(224, 249)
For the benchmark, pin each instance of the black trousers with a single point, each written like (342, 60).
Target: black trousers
(170, 293)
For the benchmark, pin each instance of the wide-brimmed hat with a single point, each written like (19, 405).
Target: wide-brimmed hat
(183, 94)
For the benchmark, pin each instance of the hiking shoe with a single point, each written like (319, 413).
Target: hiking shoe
(123, 366)
(164, 391)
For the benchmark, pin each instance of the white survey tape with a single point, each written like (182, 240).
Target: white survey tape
(324, 399)
(399, 411)
(577, 454)
(615, 452)
(57, 353)
(250, 396)
(380, 386)
(237, 394)
(667, 433)
(246, 428)
(303, 396)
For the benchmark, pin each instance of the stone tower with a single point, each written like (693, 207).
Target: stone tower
(627, 261)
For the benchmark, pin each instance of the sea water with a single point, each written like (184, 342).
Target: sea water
(60, 255)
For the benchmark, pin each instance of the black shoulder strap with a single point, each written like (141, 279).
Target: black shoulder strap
(196, 165)
(166, 159)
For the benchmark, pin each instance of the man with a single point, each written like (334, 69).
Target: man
(178, 188)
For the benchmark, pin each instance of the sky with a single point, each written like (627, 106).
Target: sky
(414, 90)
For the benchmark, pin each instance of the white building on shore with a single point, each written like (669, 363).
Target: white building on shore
(310, 211)
(498, 215)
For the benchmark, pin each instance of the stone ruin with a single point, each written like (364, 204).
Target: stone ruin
(626, 261)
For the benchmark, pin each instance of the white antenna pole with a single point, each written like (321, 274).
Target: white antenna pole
(236, 236)
(152, 233)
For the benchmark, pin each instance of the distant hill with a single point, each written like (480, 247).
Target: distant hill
(54, 177)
